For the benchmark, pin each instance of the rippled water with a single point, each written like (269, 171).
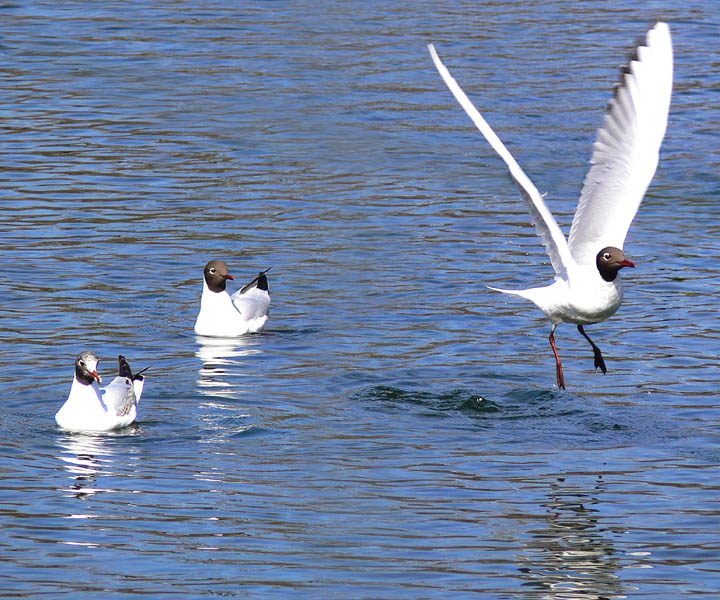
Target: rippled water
(396, 431)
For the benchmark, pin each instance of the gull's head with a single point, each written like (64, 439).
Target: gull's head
(86, 368)
(609, 261)
(216, 275)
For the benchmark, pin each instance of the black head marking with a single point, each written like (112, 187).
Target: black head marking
(216, 275)
(86, 368)
(609, 261)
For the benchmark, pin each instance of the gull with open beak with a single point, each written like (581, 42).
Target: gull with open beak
(87, 409)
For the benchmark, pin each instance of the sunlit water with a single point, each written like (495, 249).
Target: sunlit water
(396, 431)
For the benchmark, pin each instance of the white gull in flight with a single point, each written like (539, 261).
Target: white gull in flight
(587, 287)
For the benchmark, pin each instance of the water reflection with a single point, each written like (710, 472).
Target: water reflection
(223, 358)
(223, 378)
(84, 457)
(139, 140)
(573, 556)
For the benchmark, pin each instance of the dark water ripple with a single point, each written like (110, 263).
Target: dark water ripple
(395, 431)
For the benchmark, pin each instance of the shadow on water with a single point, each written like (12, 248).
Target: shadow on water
(515, 404)
(438, 404)
(222, 382)
(551, 413)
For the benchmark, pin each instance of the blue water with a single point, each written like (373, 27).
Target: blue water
(396, 431)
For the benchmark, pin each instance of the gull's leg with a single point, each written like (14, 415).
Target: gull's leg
(558, 364)
(599, 362)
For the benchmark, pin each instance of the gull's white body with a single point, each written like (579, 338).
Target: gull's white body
(624, 159)
(223, 315)
(583, 299)
(87, 410)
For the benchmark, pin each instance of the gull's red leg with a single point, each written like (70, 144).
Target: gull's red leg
(558, 364)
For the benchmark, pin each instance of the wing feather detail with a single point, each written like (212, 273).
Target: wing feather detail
(119, 397)
(545, 224)
(626, 151)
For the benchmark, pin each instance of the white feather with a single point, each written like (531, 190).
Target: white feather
(545, 224)
(222, 315)
(624, 160)
(86, 409)
(626, 152)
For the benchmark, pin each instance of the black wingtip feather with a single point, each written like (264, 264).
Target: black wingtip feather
(633, 56)
(260, 280)
(124, 370)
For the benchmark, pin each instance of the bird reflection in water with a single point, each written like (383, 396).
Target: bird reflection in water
(85, 456)
(223, 359)
(573, 556)
(224, 378)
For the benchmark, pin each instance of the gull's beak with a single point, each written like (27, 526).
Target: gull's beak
(626, 263)
(228, 276)
(97, 377)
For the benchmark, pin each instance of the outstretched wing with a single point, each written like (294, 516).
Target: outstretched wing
(545, 224)
(625, 154)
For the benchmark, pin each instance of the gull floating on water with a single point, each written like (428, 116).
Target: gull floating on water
(587, 287)
(87, 410)
(223, 315)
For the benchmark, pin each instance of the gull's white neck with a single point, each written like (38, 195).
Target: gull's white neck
(85, 395)
(83, 407)
(218, 316)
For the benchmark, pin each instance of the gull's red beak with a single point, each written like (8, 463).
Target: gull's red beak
(626, 263)
(228, 276)
(97, 377)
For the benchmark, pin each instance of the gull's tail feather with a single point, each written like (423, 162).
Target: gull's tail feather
(520, 293)
(542, 297)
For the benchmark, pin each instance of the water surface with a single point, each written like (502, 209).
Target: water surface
(396, 431)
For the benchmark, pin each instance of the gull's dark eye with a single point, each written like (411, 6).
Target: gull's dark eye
(606, 256)
(212, 270)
